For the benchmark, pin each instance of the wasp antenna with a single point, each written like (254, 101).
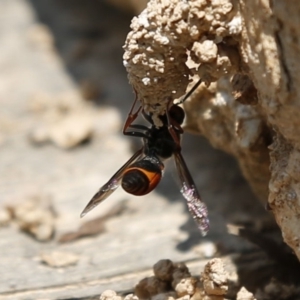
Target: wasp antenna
(192, 90)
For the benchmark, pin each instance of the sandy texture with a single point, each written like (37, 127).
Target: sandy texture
(243, 294)
(247, 55)
(156, 48)
(211, 285)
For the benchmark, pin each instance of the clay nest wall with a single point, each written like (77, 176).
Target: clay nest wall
(246, 53)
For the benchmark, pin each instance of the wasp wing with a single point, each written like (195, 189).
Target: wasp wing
(107, 189)
(189, 191)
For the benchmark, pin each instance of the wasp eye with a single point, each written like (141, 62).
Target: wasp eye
(141, 178)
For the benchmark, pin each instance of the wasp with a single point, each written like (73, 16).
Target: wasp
(144, 170)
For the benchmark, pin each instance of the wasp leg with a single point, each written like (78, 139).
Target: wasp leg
(147, 117)
(131, 115)
(140, 127)
(137, 133)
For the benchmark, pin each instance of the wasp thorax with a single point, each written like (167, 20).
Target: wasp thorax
(142, 177)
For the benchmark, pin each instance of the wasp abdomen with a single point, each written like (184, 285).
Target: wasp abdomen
(142, 177)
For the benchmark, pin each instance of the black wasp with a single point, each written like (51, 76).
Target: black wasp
(144, 170)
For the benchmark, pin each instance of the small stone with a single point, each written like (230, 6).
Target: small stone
(58, 259)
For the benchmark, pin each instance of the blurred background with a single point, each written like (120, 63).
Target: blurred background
(64, 97)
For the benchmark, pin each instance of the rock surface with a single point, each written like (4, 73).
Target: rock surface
(246, 53)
